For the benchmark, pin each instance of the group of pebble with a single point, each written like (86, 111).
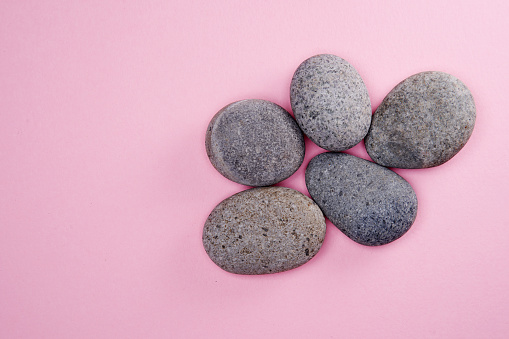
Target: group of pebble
(423, 122)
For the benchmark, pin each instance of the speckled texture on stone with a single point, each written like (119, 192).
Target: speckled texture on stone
(264, 230)
(254, 143)
(423, 122)
(371, 204)
(330, 102)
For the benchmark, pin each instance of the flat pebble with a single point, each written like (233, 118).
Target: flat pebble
(264, 230)
(330, 102)
(254, 143)
(369, 203)
(423, 122)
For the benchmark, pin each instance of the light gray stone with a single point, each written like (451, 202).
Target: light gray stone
(264, 230)
(423, 122)
(330, 102)
(371, 204)
(254, 143)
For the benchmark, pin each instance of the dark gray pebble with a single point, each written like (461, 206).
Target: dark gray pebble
(264, 230)
(330, 102)
(423, 122)
(254, 143)
(371, 204)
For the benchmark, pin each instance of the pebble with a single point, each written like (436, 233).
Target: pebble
(423, 122)
(330, 102)
(369, 203)
(264, 230)
(254, 143)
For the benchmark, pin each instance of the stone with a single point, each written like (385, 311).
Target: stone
(264, 230)
(330, 102)
(254, 143)
(423, 122)
(369, 203)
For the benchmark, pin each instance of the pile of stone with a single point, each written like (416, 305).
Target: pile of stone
(423, 122)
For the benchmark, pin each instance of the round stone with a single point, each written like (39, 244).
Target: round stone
(423, 122)
(369, 203)
(264, 230)
(254, 143)
(330, 102)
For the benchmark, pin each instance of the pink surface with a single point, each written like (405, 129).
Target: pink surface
(105, 183)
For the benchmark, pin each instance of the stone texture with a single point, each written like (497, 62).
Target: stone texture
(330, 102)
(371, 204)
(264, 230)
(423, 122)
(254, 143)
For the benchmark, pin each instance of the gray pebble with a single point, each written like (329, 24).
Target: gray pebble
(254, 143)
(264, 230)
(423, 122)
(330, 102)
(371, 204)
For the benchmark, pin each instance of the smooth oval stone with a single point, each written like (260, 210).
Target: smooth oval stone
(254, 143)
(264, 230)
(369, 203)
(423, 122)
(330, 102)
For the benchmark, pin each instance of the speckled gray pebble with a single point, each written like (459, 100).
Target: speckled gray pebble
(264, 230)
(254, 143)
(330, 102)
(371, 204)
(423, 122)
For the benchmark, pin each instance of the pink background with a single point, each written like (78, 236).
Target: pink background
(105, 184)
